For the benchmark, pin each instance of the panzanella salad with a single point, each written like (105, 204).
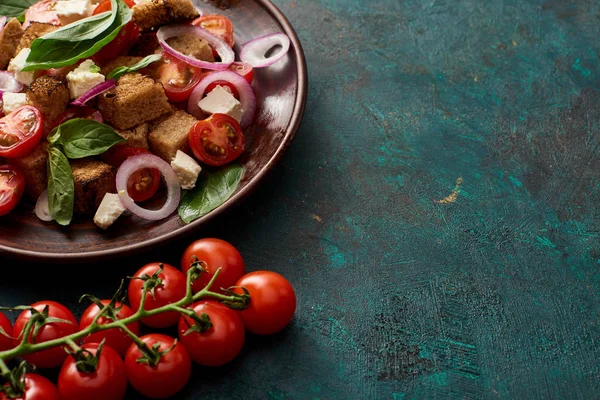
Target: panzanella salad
(116, 105)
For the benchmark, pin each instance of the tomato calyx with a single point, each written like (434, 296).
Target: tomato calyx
(152, 356)
(202, 323)
(86, 361)
(152, 282)
(15, 379)
(38, 320)
(238, 301)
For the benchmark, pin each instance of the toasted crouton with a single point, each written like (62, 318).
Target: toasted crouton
(146, 44)
(92, 179)
(34, 31)
(120, 61)
(9, 40)
(171, 135)
(193, 46)
(136, 137)
(34, 167)
(156, 13)
(136, 99)
(49, 95)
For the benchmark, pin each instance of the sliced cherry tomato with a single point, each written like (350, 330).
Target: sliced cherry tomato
(20, 131)
(166, 378)
(105, 6)
(143, 184)
(221, 342)
(178, 78)
(243, 69)
(6, 341)
(169, 287)
(108, 381)
(217, 140)
(12, 186)
(124, 40)
(52, 357)
(215, 254)
(225, 85)
(115, 338)
(78, 112)
(42, 11)
(36, 388)
(218, 25)
(272, 302)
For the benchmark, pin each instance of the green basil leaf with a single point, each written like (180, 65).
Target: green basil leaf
(15, 8)
(61, 188)
(212, 191)
(79, 40)
(120, 71)
(80, 138)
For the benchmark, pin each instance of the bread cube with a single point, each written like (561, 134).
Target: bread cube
(92, 179)
(192, 46)
(34, 31)
(156, 13)
(50, 96)
(9, 40)
(171, 135)
(34, 166)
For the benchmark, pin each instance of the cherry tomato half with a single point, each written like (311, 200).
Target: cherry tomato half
(78, 112)
(215, 253)
(12, 186)
(178, 78)
(124, 40)
(221, 343)
(6, 342)
(115, 338)
(143, 184)
(52, 357)
(225, 85)
(171, 289)
(20, 131)
(109, 381)
(243, 69)
(37, 388)
(217, 140)
(272, 302)
(218, 25)
(42, 11)
(165, 379)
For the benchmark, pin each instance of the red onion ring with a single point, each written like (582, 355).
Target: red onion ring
(247, 96)
(225, 52)
(253, 52)
(2, 23)
(141, 161)
(42, 209)
(8, 83)
(95, 91)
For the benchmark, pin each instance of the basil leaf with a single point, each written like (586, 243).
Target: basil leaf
(15, 8)
(81, 138)
(61, 188)
(120, 71)
(210, 193)
(77, 41)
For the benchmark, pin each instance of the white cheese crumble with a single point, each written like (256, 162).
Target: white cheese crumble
(82, 79)
(12, 101)
(110, 209)
(220, 101)
(69, 11)
(17, 64)
(187, 170)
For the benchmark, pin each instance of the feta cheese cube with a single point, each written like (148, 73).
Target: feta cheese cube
(82, 79)
(110, 209)
(12, 101)
(69, 11)
(17, 64)
(220, 101)
(187, 170)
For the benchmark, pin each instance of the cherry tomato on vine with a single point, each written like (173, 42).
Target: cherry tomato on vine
(124, 40)
(217, 140)
(6, 342)
(36, 388)
(115, 338)
(109, 381)
(218, 25)
(12, 186)
(20, 131)
(166, 378)
(220, 343)
(178, 78)
(170, 289)
(216, 253)
(272, 302)
(52, 357)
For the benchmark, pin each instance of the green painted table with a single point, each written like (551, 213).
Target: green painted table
(438, 212)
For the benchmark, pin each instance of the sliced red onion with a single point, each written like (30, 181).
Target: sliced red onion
(42, 209)
(254, 51)
(8, 83)
(95, 91)
(247, 97)
(2, 23)
(225, 52)
(141, 161)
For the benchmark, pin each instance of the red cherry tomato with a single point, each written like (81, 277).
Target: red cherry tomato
(20, 132)
(124, 40)
(243, 69)
(42, 11)
(221, 343)
(143, 184)
(52, 357)
(109, 381)
(115, 338)
(165, 379)
(78, 112)
(217, 140)
(12, 186)
(178, 78)
(172, 288)
(215, 253)
(226, 85)
(272, 302)
(218, 25)
(37, 388)
(6, 342)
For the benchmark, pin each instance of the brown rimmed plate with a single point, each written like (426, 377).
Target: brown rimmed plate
(281, 91)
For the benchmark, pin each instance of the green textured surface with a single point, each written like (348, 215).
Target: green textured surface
(437, 212)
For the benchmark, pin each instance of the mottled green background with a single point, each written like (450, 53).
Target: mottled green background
(438, 212)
